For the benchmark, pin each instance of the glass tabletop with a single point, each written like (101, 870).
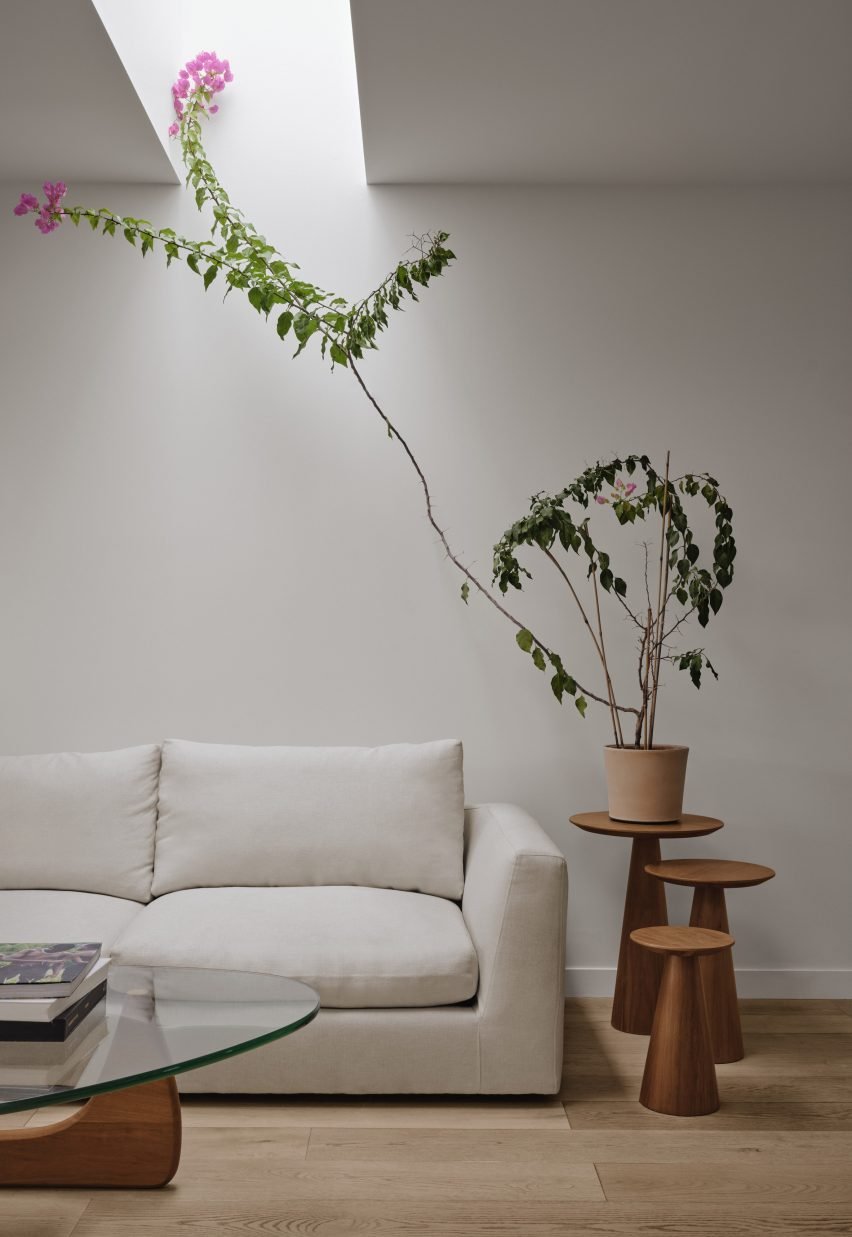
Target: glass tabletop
(154, 1022)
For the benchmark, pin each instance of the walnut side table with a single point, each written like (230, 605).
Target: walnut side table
(637, 980)
(710, 878)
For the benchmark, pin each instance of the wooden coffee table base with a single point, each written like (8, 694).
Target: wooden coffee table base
(127, 1138)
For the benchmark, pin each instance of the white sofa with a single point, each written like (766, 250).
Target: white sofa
(434, 934)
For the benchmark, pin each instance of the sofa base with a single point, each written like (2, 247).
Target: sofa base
(373, 1052)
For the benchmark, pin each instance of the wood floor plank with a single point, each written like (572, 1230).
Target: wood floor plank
(27, 1204)
(752, 1184)
(286, 1182)
(406, 1113)
(37, 1226)
(684, 1146)
(440, 1219)
(795, 1023)
(734, 1089)
(629, 1115)
(796, 1054)
(791, 1005)
(216, 1153)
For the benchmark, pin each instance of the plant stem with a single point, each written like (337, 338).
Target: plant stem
(616, 725)
(393, 432)
(648, 630)
(661, 600)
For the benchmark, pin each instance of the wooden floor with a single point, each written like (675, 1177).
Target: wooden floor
(776, 1159)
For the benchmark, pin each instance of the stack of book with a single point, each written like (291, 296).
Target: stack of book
(47, 990)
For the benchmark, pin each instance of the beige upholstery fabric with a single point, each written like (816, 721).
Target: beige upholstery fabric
(80, 820)
(390, 817)
(56, 915)
(359, 948)
(514, 905)
(508, 1042)
(357, 1052)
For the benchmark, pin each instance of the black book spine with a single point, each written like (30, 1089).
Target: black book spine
(57, 1031)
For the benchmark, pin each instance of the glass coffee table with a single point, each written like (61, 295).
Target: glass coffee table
(155, 1022)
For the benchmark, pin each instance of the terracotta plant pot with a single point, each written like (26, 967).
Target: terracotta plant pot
(645, 786)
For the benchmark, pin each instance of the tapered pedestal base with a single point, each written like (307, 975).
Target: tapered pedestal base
(679, 1075)
(637, 980)
(717, 977)
(123, 1138)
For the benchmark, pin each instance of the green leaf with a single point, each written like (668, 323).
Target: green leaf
(556, 687)
(255, 297)
(209, 275)
(619, 585)
(340, 358)
(285, 321)
(192, 263)
(93, 222)
(525, 640)
(715, 600)
(303, 328)
(606, 579)
(582, 704)
(130, 236)
(538, 658)
(465, 588)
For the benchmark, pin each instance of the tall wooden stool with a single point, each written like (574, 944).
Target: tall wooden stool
(680, 1078)
(710, 878)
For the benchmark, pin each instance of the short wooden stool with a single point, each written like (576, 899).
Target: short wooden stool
(710, 878)
(680, 1078)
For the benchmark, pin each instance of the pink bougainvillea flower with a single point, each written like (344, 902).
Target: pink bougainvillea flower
(27, 203)
(630, 488)
(199, 80)
(599, 498)
(49, 214)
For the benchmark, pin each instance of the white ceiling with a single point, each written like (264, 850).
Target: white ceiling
(605, 91)
(70, 111)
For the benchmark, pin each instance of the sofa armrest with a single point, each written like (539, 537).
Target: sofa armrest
(514, 904)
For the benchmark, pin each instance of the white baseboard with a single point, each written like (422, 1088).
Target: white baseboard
(813, 984)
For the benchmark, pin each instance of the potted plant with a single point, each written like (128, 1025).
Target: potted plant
(645, 779)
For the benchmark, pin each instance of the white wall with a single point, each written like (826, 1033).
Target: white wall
(202, 538)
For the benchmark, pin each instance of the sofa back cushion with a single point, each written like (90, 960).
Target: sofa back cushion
(80, 820)
(391, 817)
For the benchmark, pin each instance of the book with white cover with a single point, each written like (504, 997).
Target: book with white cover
(34, 1009)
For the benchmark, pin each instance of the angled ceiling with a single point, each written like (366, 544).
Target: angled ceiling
(605, 91)
(70, 110)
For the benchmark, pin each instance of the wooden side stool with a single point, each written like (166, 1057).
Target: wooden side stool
(680, 1078)
(710, 878)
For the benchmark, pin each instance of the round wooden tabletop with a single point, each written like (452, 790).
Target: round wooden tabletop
(687, 827)
(723, 873)
(681, 940)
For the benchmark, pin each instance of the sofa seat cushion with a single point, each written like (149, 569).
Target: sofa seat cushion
(57, 915)
(358, 947)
